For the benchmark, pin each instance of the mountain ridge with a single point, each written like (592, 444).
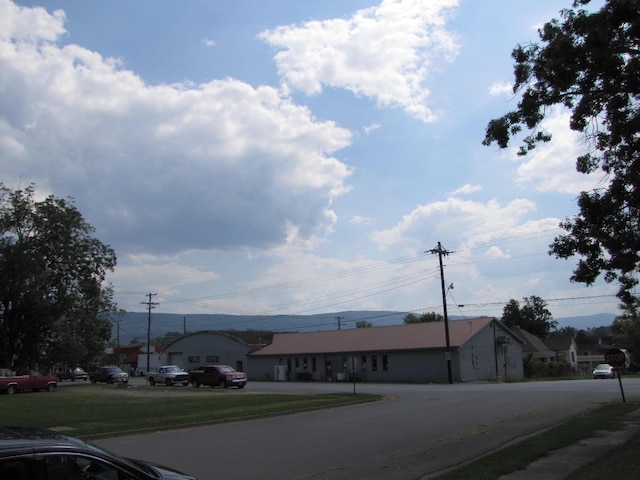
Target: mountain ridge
(134, 325)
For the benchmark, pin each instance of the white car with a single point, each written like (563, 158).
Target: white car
(604, 370)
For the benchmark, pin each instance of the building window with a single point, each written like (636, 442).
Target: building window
(385, 363)
(363, 362)
(374, 363)
(313, 364)
(194, 359)
(297, 362)
(213, 359)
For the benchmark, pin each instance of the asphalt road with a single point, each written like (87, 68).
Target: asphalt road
(416, 430)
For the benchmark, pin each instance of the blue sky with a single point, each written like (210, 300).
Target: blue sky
(286, 157)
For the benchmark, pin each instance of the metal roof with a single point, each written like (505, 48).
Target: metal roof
(415, 336)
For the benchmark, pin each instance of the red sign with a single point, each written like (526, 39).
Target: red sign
(615, 357)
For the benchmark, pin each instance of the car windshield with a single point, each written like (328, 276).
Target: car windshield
(173, 369)
(226, 369)
(113, 370)
(603, 366)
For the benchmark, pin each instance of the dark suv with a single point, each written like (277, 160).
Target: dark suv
(109, 374)
(34, 454)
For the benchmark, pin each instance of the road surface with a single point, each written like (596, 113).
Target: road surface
(415, 430)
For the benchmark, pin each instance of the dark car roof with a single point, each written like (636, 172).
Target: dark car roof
(14, 439)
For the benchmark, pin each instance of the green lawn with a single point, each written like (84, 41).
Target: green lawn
(86, 410)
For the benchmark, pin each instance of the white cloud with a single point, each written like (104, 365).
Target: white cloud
(385, 52)
(466, 189)
(371, 128)
(501, 88)
(551, 167)
(463, 220)
(161, 168)
(358, 220)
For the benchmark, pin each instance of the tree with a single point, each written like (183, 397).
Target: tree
(425, 317)
(626, 334)
(363, 324)
(53, 304)
(533, 316)
(589, 64)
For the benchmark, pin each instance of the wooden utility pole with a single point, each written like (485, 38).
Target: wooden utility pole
(339, 318)
(442, 252)
(149, 305)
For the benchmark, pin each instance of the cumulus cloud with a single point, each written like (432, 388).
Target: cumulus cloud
(161, 168)
(384, 52)
(455, 218)
(551, 167)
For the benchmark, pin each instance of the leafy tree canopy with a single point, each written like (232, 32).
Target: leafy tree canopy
(588, 63)
(425, 317)
(363, 324)
(533, 316)
(53, 305)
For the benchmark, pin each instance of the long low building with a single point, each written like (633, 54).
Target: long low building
(480, 349)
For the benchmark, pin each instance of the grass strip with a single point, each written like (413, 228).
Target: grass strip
(98, 409)
(617, 463)
(520, 455)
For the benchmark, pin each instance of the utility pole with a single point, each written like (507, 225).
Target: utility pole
(149, 305)
(339, 318)
(118, 342)
(442, 252)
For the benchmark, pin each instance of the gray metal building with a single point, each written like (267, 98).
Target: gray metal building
(206, 348)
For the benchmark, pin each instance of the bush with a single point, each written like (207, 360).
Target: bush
(540, 369)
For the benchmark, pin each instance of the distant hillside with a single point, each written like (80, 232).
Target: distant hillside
(134, 324)
(587, 321)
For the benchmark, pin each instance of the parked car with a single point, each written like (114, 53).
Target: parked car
(168, 375)
(109, 374)
(218, 376)
(31, 453)
(34, 381)
(604, 370)
(76, 374)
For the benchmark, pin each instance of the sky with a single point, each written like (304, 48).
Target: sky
(286, 157)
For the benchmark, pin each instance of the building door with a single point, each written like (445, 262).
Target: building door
(328, 369)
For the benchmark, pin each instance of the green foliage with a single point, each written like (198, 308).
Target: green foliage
(533, 316)
(626, 334)
(53, 305)
(363, 324)
(589, 63)
(540, 369)
(425, 317)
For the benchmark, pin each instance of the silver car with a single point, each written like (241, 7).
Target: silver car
(604, 370)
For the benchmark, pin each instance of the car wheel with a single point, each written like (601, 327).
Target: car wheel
(152, 381)
(51, 387)
(184, 384)
(222, 384)
(195, 384)
(109, 380)
(93, 380)
(241, 386)
(168, 383)
(11, 389)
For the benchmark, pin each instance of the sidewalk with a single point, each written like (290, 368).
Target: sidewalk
(559, 464)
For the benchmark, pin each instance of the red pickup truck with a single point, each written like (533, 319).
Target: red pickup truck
(34, 381)
(218, 376)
